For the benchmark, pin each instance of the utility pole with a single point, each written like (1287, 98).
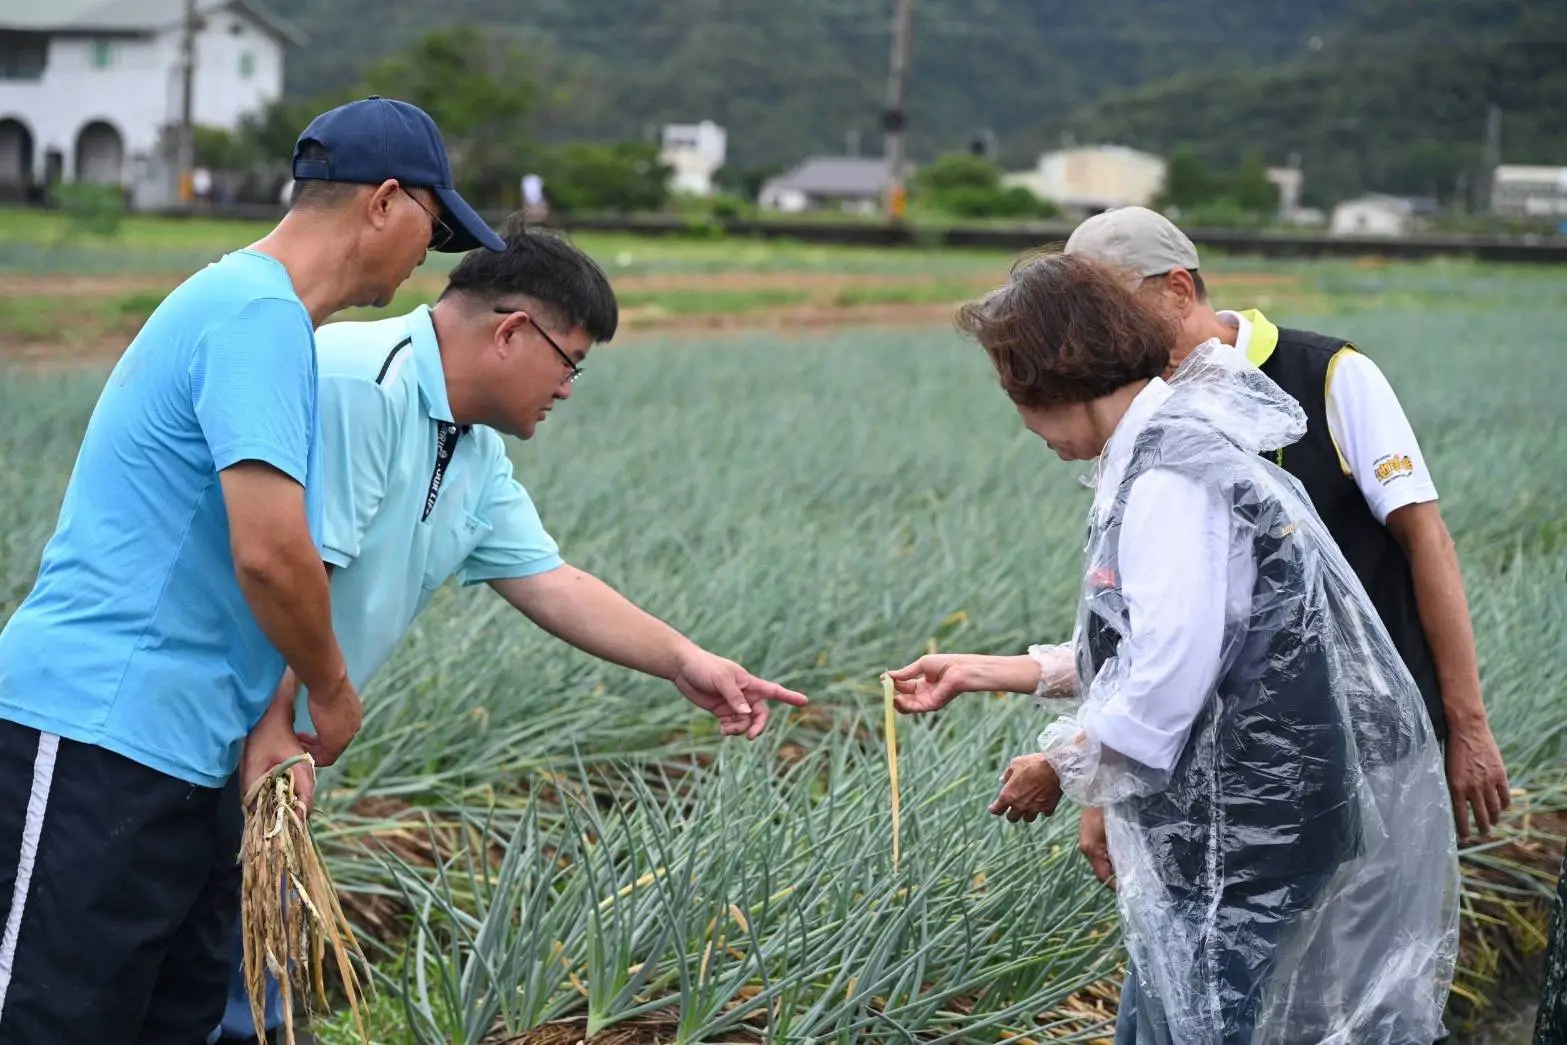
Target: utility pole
(894, 120)
(1492, 159)
(187, 140)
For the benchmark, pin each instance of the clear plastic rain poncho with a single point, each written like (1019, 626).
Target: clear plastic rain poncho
(1292, 877)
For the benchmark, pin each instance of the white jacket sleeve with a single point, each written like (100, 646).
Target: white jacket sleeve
(1174, 555)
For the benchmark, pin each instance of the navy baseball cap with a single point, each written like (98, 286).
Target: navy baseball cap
(373, 139)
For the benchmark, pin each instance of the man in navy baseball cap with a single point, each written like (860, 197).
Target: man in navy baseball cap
(375, 140)
(183, 584)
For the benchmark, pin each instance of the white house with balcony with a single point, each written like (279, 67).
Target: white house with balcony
(694, 152)
(92, 90)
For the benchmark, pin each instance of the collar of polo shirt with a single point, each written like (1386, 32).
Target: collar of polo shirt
(427, 365)
(1257, 336)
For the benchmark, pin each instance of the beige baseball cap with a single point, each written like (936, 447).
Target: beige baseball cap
(1135, 238)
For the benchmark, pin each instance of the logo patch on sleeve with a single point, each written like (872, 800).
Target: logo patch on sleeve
(1393, 466)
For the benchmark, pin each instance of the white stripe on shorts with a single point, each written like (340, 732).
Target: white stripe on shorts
(32, 828)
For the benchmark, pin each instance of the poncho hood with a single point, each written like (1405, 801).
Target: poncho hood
(1217, 384)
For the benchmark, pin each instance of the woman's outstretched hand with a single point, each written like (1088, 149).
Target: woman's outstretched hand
(930, 683)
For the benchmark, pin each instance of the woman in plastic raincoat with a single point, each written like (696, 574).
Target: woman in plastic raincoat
(1274, 796)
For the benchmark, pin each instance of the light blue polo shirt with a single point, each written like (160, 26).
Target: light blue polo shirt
(392, 533)
(136, 636)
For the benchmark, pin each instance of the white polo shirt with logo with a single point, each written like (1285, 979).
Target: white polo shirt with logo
(1376, 444)
(411, 500)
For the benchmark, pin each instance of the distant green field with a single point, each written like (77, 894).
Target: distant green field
(108, 285)
(37, 241)
(821, 510)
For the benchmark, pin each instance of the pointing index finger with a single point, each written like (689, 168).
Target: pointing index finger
(765, 690)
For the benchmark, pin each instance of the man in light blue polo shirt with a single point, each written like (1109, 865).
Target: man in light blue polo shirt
(138, 677)
(419, 488)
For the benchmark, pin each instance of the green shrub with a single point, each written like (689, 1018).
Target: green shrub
(729, 207)
(958, 185)
(92, 209)
(624, 177)
(995, 202)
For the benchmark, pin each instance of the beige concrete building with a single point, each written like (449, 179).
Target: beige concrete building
(1094, 177)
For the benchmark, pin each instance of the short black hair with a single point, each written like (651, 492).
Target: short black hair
(1198, 286)
(543, 265)
(318, 193)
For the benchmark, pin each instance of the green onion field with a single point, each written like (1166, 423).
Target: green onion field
(538, 847)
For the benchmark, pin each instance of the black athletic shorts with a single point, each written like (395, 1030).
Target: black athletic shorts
(119, 888)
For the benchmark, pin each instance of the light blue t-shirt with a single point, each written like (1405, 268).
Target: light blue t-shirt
(393, 531)
(136, 636)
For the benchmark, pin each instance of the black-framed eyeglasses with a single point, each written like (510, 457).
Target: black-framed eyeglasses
(440, 232)
(576, 371)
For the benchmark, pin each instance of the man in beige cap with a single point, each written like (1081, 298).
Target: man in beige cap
(1362, 468)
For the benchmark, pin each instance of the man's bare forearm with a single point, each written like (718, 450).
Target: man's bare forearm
(280, 573)
(1443, 609)
(294, 611)
(280, 713)
(578, 608)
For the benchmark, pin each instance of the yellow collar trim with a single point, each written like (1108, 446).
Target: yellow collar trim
(1264, 336)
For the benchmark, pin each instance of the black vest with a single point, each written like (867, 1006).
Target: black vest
(1299, 365)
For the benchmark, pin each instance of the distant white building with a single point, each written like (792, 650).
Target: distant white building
(91, 90)
(851, 183)
(695, 151)
(1289, 181)
(1519, 191)
(1374, 215)
(1094, 177)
